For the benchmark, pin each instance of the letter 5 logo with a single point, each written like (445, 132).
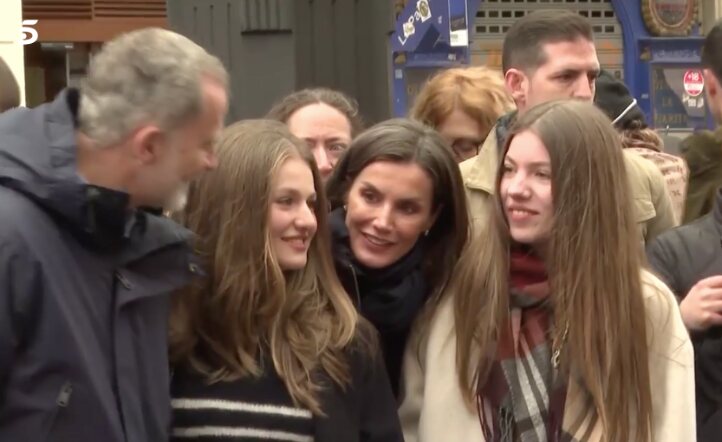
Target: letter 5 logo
(28, 34)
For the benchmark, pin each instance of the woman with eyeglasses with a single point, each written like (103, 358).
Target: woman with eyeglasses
(463, 104)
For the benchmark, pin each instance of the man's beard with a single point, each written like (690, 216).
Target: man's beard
(177, 201)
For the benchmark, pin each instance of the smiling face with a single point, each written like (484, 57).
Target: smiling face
(291, 218)
(389, 206)
(526, 190)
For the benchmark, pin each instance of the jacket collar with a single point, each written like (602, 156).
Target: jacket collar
(483, 167)
(38, 160)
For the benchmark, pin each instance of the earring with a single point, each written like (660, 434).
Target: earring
(426, 233)
(345, 207)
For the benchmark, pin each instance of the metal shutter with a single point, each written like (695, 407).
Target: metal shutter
(496, 16)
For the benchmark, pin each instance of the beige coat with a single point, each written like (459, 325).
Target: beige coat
(651, 201)
(433, 409)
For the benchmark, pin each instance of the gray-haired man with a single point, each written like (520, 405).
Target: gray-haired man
(86, 274)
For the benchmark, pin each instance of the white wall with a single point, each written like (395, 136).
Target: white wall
(10, 49)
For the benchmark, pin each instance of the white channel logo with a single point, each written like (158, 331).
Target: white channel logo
(28, 34)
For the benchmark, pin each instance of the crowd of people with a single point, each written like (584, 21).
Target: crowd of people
(515, 261)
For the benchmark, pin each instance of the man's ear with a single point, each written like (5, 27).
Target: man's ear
(516, 84)
(147, 143)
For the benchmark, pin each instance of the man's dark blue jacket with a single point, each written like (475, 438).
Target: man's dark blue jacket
(84, 293)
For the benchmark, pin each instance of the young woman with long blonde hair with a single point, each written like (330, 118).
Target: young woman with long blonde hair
(552, 330)
(268, 346)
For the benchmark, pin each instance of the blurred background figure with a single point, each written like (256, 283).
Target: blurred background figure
(327, 120)
(463, 104)
(614, 99)
(703, 150)
(689, 258)
(9, 89)
(703, 153)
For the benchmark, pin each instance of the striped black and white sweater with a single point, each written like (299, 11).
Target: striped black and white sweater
(262, 410)
(249, 409)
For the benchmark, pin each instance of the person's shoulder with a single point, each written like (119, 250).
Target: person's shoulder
(659, 158)
(364, 348)
(19, 215)
(21, 244)
(434, 333)
(688, 235)
(703, 144)
(19, 120)
(644, 176)
(653, 287)
(659, 301)
(668, 335)
(640, 163)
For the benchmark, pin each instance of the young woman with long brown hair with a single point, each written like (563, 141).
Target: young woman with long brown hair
(268, 346)
(551, 329)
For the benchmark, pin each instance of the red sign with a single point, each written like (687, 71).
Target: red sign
(693, 82)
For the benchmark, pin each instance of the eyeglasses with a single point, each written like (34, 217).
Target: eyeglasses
(465, 148)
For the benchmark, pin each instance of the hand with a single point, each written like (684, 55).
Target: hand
(702, 307)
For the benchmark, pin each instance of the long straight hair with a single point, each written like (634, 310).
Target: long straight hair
(594, 261)
(247, 310)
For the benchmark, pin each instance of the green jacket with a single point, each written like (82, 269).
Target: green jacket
(703, 153)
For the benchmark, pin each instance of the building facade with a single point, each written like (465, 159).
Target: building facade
(653, 45)
(70, 31)
(11, 48)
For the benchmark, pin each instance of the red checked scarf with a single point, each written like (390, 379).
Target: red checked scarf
(523, 398)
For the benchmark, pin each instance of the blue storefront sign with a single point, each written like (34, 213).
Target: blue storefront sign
(655, 64)
(674, 104)
(429, 35)
(419, 18)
